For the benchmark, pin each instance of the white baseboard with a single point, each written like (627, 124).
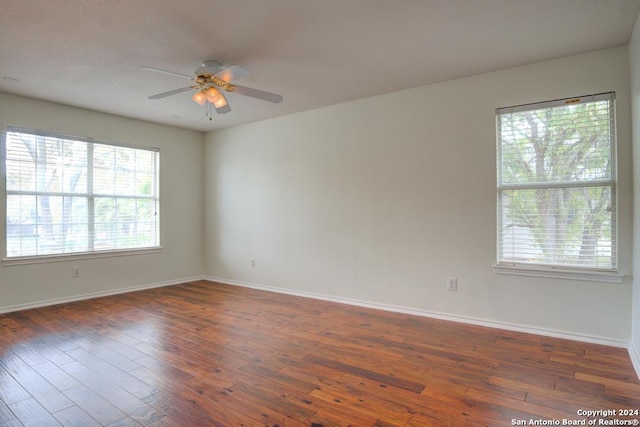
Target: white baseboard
(55, 301)
(432, 314)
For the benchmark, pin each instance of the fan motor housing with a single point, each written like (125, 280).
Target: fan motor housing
(205, 79)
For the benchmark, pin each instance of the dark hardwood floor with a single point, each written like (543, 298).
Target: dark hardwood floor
(203, 353)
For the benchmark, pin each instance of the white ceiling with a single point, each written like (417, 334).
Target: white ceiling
(89, 53)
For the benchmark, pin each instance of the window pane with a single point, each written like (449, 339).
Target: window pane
(74, 170)
(559, 144)
(145, 174)
(146, 222)
(21, 226)
(105, 214)
(558, 226)
(49, 222)
(103, 169)
(125, 171)
(136, 223)
(21, 170)
(125, 223)
(62, 224)
(75, 224)
(48, 164)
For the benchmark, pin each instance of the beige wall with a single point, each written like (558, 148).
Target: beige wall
(380, 200)
(634, 54)
(181, 209)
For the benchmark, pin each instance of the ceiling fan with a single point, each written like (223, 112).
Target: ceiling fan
(211, 81)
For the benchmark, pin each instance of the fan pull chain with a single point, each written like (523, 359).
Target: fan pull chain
(207, 111)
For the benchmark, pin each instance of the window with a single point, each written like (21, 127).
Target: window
(557, 184)
(68, 195)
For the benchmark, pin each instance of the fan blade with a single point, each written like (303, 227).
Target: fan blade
(169, 93)
(231, 73)
(258, 94)
(224, 108)
(171, 73)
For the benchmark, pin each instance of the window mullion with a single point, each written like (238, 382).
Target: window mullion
(543, 185)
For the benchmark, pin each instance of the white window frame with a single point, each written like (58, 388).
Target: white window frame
(560, 271)
(89, 195)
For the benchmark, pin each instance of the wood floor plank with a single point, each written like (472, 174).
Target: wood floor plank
(94, 405)
(610, 383)
(386, 380)
(30, 412)
(165, 422)
(203, 353)
(535, 410)
(5, 412)
(10, 390)
(113, 358)
(56, 376)
(292, 406)
(180, 411)
(366, 400)
(113, 393)
(101, 368)
(73, 416)
(33, 383)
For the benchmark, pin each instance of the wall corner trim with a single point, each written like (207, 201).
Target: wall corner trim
(634, 354)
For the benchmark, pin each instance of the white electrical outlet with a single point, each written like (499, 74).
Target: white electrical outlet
(452, 284)
(75, 271)
(253, 263)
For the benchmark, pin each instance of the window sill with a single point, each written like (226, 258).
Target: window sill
(590, 276)
(84, 255)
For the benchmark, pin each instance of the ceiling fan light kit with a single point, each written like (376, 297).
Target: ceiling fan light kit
(215, 97)
(199, 97)
(211, 81)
